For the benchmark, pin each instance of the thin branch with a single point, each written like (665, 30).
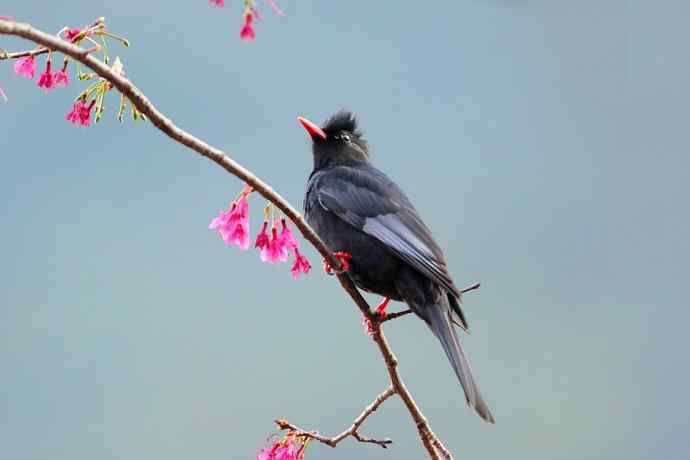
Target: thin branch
(20, 54)
(352, 431)
(395, 315)
(163, 123)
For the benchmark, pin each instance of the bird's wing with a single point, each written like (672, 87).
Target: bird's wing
(369, 201)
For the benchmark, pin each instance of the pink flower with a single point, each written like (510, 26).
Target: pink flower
(262, 240)
(72, 34)
(301, 265)
(247, 32)
(25, 67)
(288, 239)
(80, 113)
(5, 18)
(239, 236)
(46, 80)
(233, 225)
(218, 2)
(61, 77)
(280, 450)
(287, 452)
(73, 115)
(276, 250)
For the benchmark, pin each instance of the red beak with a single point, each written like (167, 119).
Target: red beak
(312, 128)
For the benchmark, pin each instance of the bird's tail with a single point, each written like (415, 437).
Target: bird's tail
(439, 319)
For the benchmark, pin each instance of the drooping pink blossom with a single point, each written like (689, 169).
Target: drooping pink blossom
(286, 452)
(276, 250)
(46, 80)
(85, 114)
(280, 450)
(289, 240)
(301, 265)
(80, 113)
(73, 115)
(247, 32)
(26, 67)
(239, 236)
(61, 77)
(262, 240)
(233, 225)
(218, 2)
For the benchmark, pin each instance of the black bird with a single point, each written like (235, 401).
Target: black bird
(357, 209)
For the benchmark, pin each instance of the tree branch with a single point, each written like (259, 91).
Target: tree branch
(430, 441)
(351, 431)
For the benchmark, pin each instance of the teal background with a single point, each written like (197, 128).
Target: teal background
(545, 143)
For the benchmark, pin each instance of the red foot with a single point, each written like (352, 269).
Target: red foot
(343, 257)
(380, 311)
(381, 308)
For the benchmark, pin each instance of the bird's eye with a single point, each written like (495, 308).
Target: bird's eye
(345, 137)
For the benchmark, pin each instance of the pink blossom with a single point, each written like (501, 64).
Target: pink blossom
(247, 32)
(80, 113)
(46, 80)
(287, 452)
(289, 240)
(233, 225)
(61, 77)
(5, 18)
(218, 2)
(276, 250)
(239, 236)
(301, 265)
(280, 450)
(72, 34)
(26, 67)
(73, 115)
(262, 240)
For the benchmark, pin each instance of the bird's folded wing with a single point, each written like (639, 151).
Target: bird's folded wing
(371, 202)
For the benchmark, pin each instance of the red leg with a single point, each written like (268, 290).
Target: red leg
(343, 257)
(381, 308)
(380, 311)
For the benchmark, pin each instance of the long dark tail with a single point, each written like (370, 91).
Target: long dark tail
(439, 319)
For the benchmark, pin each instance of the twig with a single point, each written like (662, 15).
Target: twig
(351, 431)
(163, 123)
(20, 54)
(395, 315)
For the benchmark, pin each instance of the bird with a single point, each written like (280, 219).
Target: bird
(382, 242)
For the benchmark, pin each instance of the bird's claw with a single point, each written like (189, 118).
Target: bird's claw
(380, 313)
(344, 259)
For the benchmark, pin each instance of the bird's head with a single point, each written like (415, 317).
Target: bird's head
(338, 142)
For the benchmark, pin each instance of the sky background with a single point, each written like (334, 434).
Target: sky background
(544, 142)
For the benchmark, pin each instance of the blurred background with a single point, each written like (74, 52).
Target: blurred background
(544, 142)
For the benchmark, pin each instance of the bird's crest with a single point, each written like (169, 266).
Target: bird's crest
(342, 121)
